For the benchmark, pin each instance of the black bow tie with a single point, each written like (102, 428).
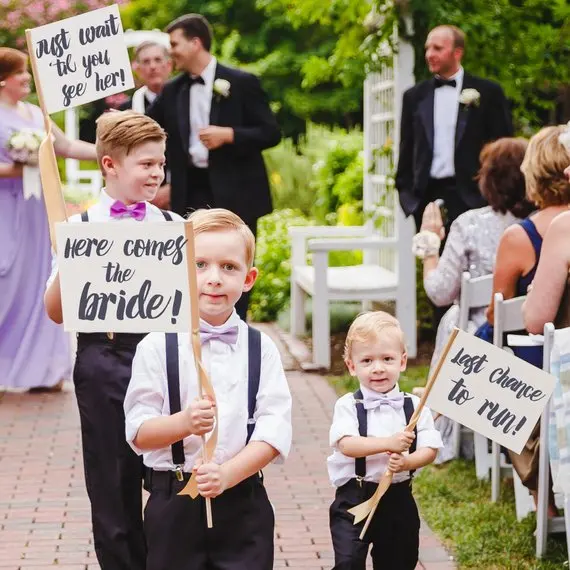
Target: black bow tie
(198, 79)
(440, 82)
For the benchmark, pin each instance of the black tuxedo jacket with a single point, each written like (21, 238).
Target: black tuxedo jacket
(238, 178)
(476, 126)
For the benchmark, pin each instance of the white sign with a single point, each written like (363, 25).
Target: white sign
(490, 391)
(81, 59)
(127, 277)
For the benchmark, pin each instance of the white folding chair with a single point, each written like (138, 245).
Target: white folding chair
(508, 318)
(545, 525)
(475, 293)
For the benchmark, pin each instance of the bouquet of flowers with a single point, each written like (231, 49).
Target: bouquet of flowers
(23, 146)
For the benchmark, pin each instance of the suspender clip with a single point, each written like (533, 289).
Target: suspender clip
(359, 480)
(110, 335)
(179, 473)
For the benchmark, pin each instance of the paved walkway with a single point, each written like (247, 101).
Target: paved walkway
(44, 511)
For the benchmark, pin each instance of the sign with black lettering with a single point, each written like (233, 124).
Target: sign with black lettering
(490, 391)
(81, 59)
(128, 277)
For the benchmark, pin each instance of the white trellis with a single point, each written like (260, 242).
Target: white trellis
(383, 93)
(388, 269)
(91, 180)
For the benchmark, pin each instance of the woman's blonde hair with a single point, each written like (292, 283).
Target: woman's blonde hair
(543, 168)
(220, 220)
(119, 132)
(369, 326)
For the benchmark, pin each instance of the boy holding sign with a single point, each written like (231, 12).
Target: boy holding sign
(130, 151)
(166, 417)
(368, 437)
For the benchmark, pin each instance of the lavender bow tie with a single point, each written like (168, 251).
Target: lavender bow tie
(229, 335)
(396, 401)
(136, 211)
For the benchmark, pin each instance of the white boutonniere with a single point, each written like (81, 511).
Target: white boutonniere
(470, 97)
(222, 88)
(564, 137)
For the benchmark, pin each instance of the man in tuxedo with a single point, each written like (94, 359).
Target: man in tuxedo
(153, 67)
(446, 121)
(218, 122)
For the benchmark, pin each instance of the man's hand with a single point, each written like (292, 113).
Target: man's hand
(211, 478)
(200, 416)
(401, 442)
(397, 463)
(162, 198)
(213, 137)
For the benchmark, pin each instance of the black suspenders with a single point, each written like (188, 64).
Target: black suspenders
(173, 376)
(362, 416)
(165, 213)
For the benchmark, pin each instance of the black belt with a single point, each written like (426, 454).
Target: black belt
(448, 181)
(371, 486)
(115, 339)
(165, 480)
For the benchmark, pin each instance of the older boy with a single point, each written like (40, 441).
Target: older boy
(368, 435)
(166, 417)
(130, 152)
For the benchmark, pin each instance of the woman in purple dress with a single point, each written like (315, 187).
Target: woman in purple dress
(34, 351)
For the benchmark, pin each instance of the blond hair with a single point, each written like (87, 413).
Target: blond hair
(119, 132)
(219, 220)
(369, 326)
(543, 168)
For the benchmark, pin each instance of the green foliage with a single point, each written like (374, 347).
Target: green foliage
(271, 291)
(483, 535)
(260, 36)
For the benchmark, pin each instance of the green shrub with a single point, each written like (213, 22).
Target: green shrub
(271, 292)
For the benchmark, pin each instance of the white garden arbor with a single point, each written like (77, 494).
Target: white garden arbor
(388, 271)
(91, 180)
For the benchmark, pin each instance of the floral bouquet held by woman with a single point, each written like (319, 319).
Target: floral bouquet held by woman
(23, 147)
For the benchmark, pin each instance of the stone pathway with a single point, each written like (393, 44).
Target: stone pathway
(44, 511)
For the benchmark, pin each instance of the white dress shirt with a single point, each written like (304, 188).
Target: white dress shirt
(383, 421)
(101, 212)
(445, 108)
(227, 367)
(200, 105)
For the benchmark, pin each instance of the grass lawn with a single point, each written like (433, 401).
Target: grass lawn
(458, 509)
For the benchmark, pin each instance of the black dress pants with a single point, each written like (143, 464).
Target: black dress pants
(178, 538)
(113, 471)
(201, 196)
(393, 532)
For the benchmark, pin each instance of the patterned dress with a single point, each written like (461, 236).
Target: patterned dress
(471, 246)
(34, 351)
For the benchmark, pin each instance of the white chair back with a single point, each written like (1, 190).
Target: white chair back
(508, 317)
(475, 293)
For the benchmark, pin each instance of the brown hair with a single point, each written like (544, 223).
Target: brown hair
(371, 325)
(119, 132)
(543, 167)
(457, 34)
(219, 220)
(501, 181)
(11, 61)
(193, 26)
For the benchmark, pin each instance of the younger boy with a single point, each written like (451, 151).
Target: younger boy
(130, 152)
(166, 417)
(368, 437)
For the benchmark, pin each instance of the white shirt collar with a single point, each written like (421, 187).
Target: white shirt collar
(369, 394)
(107, 201)
(209, 72)
(233, 320)
(458, 76)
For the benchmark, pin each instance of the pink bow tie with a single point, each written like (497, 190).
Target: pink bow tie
(396, 401)
(229, 335)
(136, 211)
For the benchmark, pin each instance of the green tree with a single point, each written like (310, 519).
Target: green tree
(260, 38)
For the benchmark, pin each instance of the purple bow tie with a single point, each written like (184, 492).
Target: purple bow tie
(229, 335)
(396, 401)
(136, 211)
